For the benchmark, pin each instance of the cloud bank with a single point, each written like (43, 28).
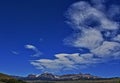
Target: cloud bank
(97, 29)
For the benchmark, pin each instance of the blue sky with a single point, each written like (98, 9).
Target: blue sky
(60, 36)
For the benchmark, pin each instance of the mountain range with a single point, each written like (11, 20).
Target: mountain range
(52, 77)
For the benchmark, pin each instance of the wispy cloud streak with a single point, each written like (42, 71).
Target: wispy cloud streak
(32, 47)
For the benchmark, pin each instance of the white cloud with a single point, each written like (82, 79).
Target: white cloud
(64, 62)
(96, 31)
(32, 47)
(94, 28)
(117, 38)
(89, 38)
(60, 63)
(80, 12)
(107, 49)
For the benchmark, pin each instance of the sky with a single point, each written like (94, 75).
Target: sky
(60, 37)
